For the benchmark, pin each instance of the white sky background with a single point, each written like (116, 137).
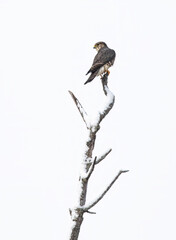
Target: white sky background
(46, 47)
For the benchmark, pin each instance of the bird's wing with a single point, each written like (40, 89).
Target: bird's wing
(95, 67)
(103, 56)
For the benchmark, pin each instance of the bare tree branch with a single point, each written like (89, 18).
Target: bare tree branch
(89, 206)
(87, 164)
(103, 156)
(104, 81)
(80, 108)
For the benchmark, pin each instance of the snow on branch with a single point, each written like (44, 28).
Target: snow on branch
(88, 163)
(110, 98)
(86, 176)
(90, 171)
(89, 206)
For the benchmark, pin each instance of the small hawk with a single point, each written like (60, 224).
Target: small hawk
(103, 60)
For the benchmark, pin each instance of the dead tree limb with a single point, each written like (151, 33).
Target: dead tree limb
(89, 162)
(103, 156)
(80, 108)
(89, 206)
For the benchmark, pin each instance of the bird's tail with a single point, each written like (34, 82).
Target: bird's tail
(92, 76)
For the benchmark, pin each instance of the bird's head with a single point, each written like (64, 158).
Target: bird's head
(99, 45)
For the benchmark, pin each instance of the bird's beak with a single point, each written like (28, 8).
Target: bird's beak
(94, 46)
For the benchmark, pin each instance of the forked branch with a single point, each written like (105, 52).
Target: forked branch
(89, 206)
(90, 171)
(88, 164)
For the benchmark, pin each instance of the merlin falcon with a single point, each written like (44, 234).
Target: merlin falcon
(103, 60)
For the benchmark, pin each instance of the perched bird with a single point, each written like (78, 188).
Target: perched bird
(103, 60)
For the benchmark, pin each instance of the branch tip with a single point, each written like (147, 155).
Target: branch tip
(124, 171)
(80, 109)
(90, 212)
(103, 156)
